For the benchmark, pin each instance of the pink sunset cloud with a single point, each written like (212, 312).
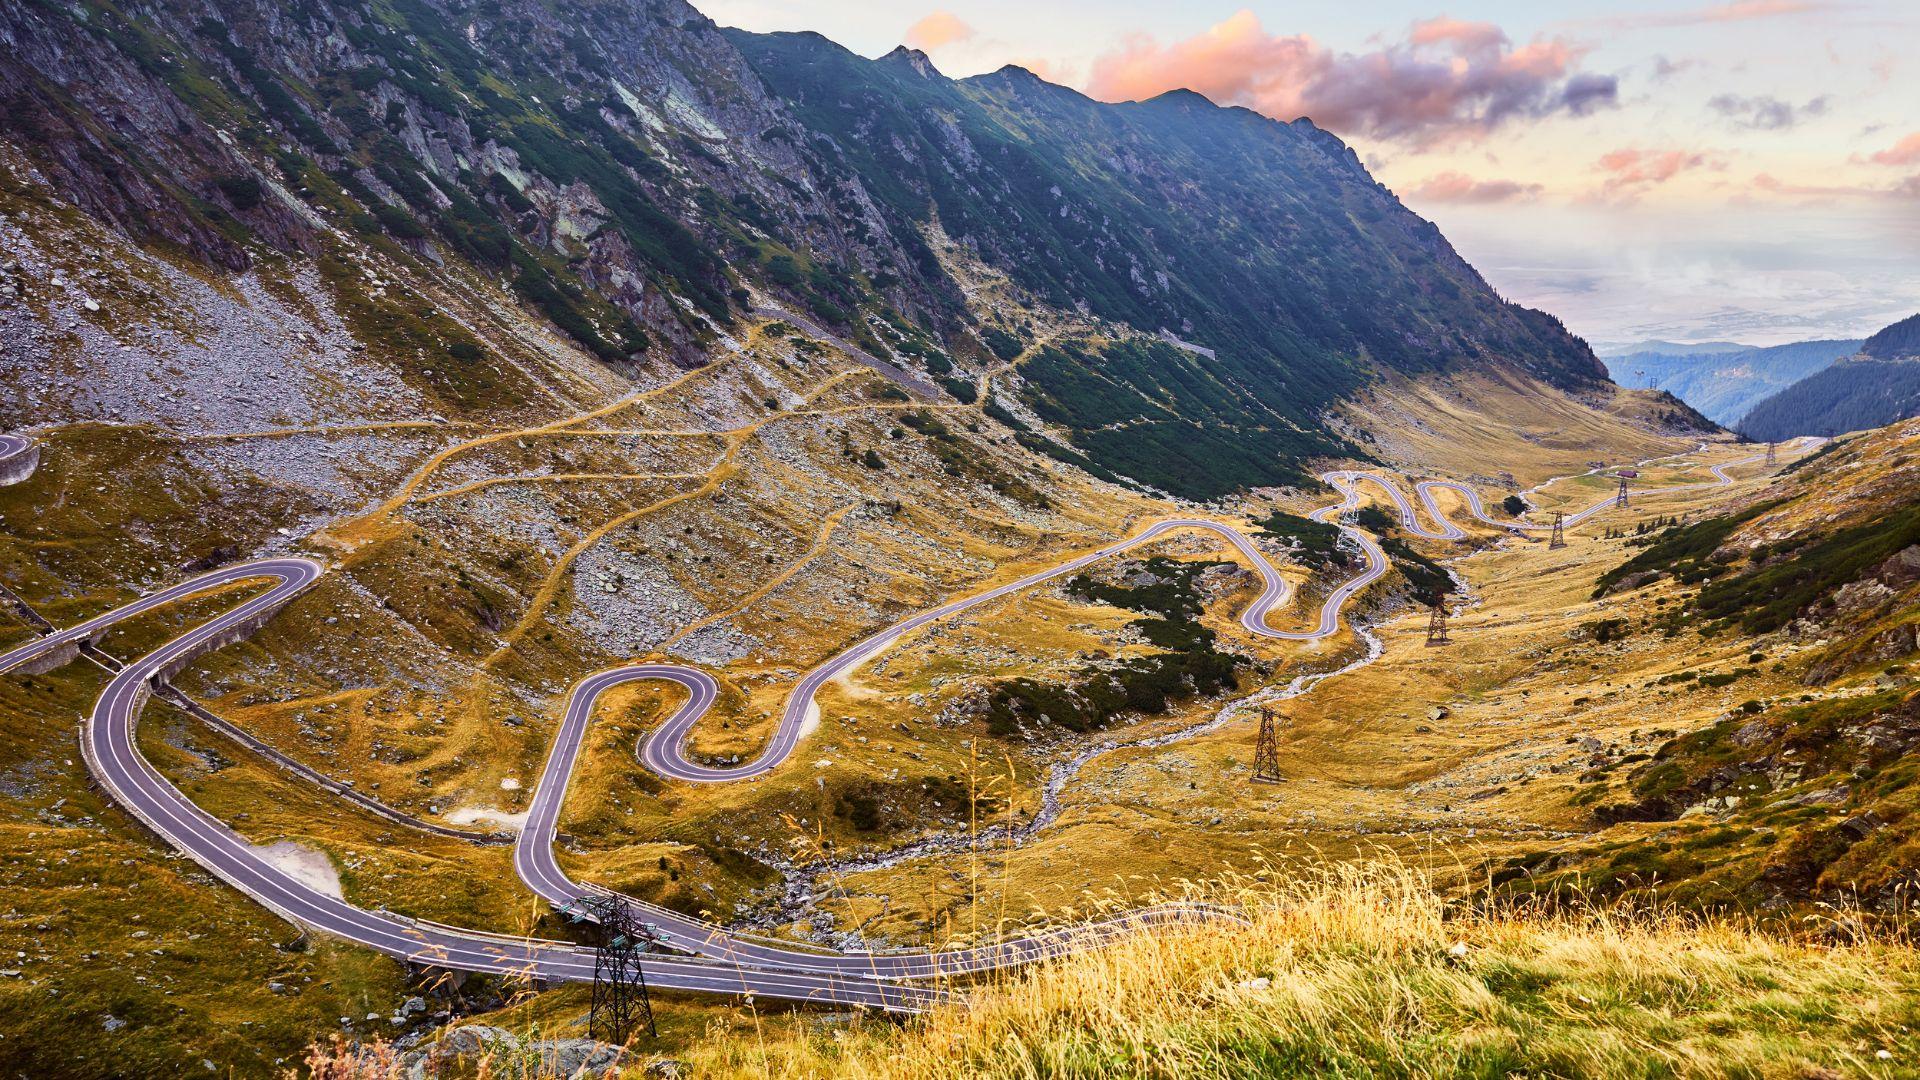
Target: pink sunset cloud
(1740, 10)
(1904, 152)
(935, 30)
(1454, 187)
(1629, 171)
(1449, 81)
(1734, 11)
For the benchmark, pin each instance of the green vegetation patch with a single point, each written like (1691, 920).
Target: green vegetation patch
(1805, 801)
(1766, 597)
(1191, 666)
(1159, 415)
(1684, 551)
(1315, 543)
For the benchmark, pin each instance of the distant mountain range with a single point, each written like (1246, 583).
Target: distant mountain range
(1722, 379)
(1878, 385)
(1669, 348)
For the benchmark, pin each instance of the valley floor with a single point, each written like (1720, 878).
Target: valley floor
(1448, 757)
(1443, 760)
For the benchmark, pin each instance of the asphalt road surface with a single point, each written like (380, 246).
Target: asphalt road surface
(664, 749)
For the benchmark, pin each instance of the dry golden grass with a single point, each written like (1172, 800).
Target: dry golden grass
(1482, 422)
(1370, 971)
(1365, 969)
(1367, 766)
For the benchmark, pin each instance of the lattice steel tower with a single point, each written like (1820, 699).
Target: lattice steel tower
(1266, 750)
(620, 999)
(1559, 531)
(1437, 623)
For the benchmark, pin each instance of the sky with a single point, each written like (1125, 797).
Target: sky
(1688, 170)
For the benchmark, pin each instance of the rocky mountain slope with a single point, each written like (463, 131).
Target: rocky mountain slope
(1802, 787)
(640, 180)
(1722, 380)
(1877, 386)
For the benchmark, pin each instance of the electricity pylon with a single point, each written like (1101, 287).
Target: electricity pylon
(1266, 750)
(1437, 624)
(620, 998)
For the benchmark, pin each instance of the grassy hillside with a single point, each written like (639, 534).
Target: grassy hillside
(1371, 972)
(1801, 790)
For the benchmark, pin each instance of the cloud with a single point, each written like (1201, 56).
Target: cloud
(1904, 152)
(1453, 187)
(1629, 171)
(1765, 112)
(1908, 188)
(935, 30)
(1741, 10)
(1449, 81)
(1664, 68)
(1734, 11)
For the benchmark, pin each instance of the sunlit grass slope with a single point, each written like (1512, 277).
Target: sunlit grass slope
(1372, 972)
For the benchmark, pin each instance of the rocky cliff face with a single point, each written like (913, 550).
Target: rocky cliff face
(598, 157)
(639, 178)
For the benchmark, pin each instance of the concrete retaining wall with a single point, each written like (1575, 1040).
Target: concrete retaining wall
(57, 657)
(239, 631)
(19, 466)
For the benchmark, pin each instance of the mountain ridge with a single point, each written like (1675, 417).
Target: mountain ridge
(1878, 385)
(635, 173)
(1724, 385)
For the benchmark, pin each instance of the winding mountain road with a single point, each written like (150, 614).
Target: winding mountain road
(723, 961)
(1447, 530)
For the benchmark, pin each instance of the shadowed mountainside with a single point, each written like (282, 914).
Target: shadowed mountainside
(1878, 386)
(636, 176)
(1726, 383)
